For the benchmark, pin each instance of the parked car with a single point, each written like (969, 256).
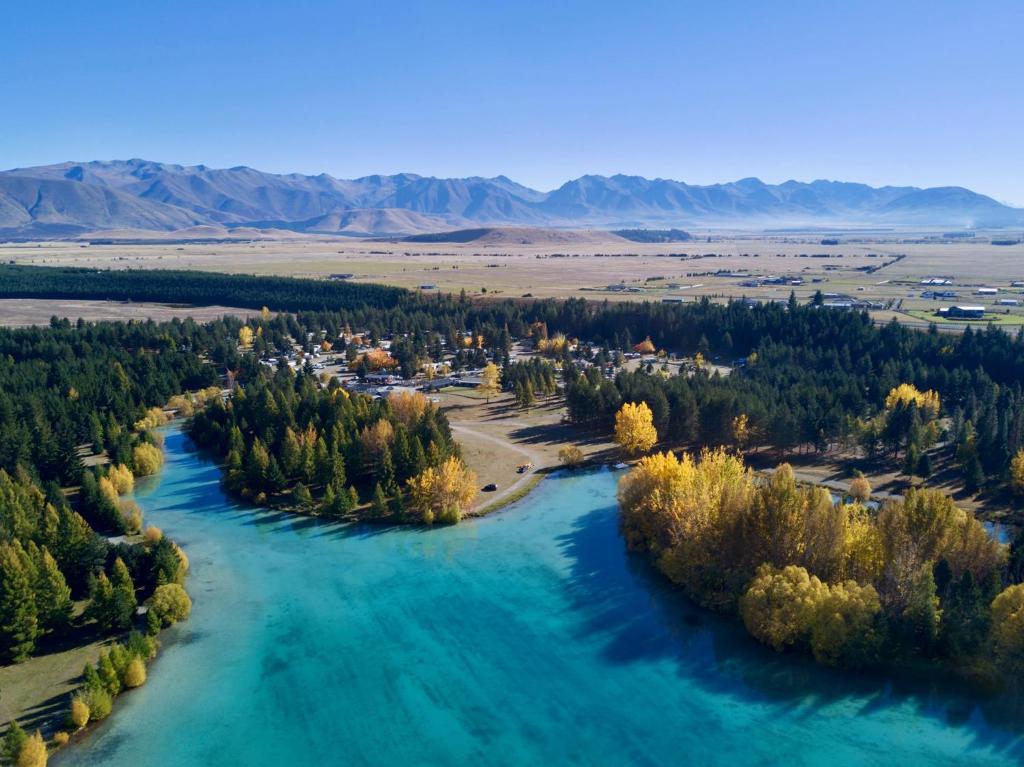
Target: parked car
(490, 488)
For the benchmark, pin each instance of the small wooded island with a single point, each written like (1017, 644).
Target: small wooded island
(324, 406)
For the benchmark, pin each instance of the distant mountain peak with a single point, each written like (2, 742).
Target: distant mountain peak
(72, 197)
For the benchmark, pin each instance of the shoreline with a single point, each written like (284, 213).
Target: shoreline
(51, 680)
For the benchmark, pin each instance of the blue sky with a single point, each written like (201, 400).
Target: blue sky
(923, 93)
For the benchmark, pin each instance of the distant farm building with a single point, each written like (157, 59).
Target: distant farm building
(962, 312)
(987, 291)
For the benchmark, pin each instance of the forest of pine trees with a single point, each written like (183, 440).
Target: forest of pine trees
(67, 391)
(816, 378)
(286, 440)
(813, 379)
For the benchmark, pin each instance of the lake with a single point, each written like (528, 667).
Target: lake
(529, 637)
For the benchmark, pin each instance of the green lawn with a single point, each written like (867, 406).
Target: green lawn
(996, 319)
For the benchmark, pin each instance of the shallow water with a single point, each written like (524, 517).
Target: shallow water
(526, 638)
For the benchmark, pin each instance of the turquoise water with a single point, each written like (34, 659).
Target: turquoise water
(527, 638)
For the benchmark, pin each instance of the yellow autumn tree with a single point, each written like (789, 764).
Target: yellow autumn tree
(32, 752)
(570, 456)
(667, 502)
(634, 428)
(905, 394)
(443, 493)
(860, 489)
(489, 381)
(147, 459)
(741, 430)
(121, 478)
(78, 715)
(1017, 473)
(245, 335)
(779, 605)
(134, 673)
(170, 603)
(183, 404)
(645, 347)
(375, 438)
(842, 625)
(154, 417)
(378, 359)
(1008, 626)
(408, 407)
(108, 490)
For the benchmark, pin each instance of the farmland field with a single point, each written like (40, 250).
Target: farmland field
(886, 272)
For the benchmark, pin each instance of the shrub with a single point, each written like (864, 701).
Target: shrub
(147, 459)
(135, 673)
(449, 515)
(152, 535)
(122, 478)
(13, 741)
(131, 517)
(170, 603)
(860, 489)
(78, 714)
(570, 456)
(33, 752)
(61, 738)
(154, 417)
(99, 703)
(183, 404)
(141, 646)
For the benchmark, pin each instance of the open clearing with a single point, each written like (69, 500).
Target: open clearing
(497, 437)
(16, 312)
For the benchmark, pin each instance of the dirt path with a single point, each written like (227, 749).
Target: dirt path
(463, 431)
(497, 436)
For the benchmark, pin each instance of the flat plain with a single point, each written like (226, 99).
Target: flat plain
(887, 271)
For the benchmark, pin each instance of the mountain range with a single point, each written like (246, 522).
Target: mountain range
(70, 199)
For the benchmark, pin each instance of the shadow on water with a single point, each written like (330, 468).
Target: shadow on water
(205, 495)
(636, 615)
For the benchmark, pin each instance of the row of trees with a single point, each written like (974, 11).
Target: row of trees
(855, 586)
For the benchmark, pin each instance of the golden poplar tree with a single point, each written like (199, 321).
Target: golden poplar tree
(489, 381)
(444, 492)
(634, 428)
